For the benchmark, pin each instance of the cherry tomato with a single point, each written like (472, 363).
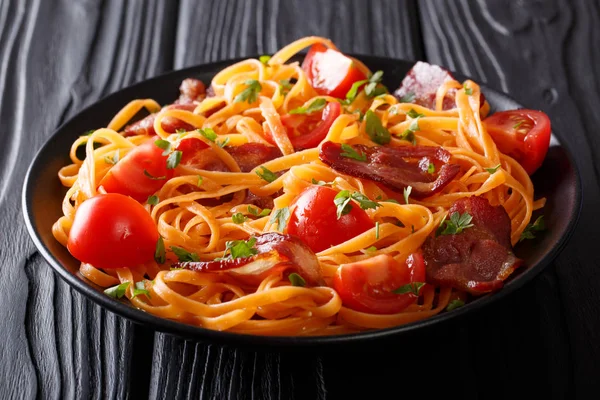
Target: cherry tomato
(330, 72)
(189, 149)
(522, 134)
(368, 285)
(307, 131)
(140, 173)
(112, 231)
(314, 219)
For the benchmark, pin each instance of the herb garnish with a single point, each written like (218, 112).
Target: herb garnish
(183, 255)
(455, 304)
(266, 174)
(250, 94)
(408, 98)
(468, 90)
(493, 170)
(118, 291)
(156, 178)
(264, 59)
(431, 168)
(152, 200)
(315, 106)
(456, 224)
(208, 133)
(280, 216)
(263, 213)
(241, 248)
(238, 218)
(296, 280)
(349, 152)
(140, 288)
(375, 129)
(413, 114)
(159, 253)
(412, 288)
(538, 226)
(342, 202)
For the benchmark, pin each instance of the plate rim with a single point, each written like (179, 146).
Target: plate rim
(197, 333)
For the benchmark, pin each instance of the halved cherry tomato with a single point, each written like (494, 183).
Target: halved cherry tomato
(112, 231)
(522, 134)
(189, 149)
(307, 131)
(140, 173)
(330, 72)
(368, 285)
(314, 219)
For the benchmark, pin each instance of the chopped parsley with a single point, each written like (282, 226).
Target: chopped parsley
(468, 90)
(266, 174)
(223, 143)
(431, 168)
(371, 249)
(391, 201)
(238, 218)
(181, 131)
(241, 248)
(408, 98)
(200, 180)
(118, 291)
(320, 183)
(250, 94)
(493, 170)
(208, 133)
(518, 125)
(183, 255)
(280, 216)
(152, 200)
(342, 203)
(159, 253)
(375, 129)
(156, 178)
(264, 59)
(413, 114)
(285, 86)
(407, 191)
(263, 213)
(174, 159)
(371, 89)
(412, 288)
(538, 226)
(315, 106)
(163, 144)
(364, 202)
(112, 160)
(296, 280)
(349, 152)
(139, 289)
(456, 224)
(174, 156)
(455, 304)
(409, 134)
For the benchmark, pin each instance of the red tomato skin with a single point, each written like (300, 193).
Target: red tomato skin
(529, 148)
(189, 148)
(112, 231)
(127, 176)
(314, 219)
(367, 286)
(316, 136)
(330, 72)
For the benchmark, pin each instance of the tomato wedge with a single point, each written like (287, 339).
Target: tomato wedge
(112, 231)
(314, 219)
(140, 173)
(189, 150)
(330, 72)
(522, 134)
(368, 285)
(308, 131)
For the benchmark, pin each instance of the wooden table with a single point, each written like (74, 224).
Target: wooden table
(58, 57)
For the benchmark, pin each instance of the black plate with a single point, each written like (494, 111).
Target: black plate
(43, 193)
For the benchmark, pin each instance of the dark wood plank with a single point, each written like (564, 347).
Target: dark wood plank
(56, 58)
(228, 29)
(543, 54)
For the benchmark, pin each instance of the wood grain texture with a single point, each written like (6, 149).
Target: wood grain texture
(544, 54)
(57, 57)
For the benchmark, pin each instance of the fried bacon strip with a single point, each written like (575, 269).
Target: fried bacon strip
(273, 250)
(395, 167)
(479, 258)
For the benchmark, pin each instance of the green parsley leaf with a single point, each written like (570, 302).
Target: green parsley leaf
(454, 304)
(414, 125)
(263, 213)
(241, 248)
(163, 144)
(353, 92)
(538, 226)
(518, 124)
(174, 159)
(264, 59)
(88, 133)
(112, 160)
(375, 129)
(183, 255)
(223, 143)
(371, 249)
(118, 291)
(296, 280)
(321, 183)
(266, 174)
(456, 224)
(315, 106)
(152, 200)
(413, 114)
(200, 180)
(180, 131)
(156, 178)
(159, 253)
(285, 86)
(391, 201)
(468, 90)
(250, 94)
(280, 216)
(493, 170)
(349, 152)
(342, 202)
(408, 98)
(407, 191)
(377, 230)
(208, 133)
(409, 136)
(376, 77)
(364, 202)
(371, 88)
(412, 288)
(140, 288)
(238, 218)
(431, 168)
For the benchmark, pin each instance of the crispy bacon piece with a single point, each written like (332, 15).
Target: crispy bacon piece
(146, 126)
(274, 250)
(395, 167)
(191, 90)
(423, 80)
(251, 155)
(479, 258)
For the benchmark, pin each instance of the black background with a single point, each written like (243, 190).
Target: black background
(57, 57)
